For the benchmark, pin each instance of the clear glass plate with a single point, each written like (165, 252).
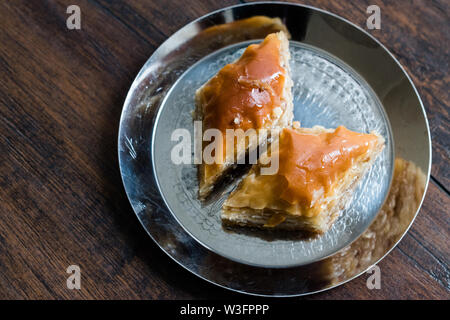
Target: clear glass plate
(326, 92)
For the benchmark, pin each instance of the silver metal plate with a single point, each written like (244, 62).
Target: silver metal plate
(344, 76)
(326, 92)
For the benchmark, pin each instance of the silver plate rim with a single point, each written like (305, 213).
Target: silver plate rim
(141, 74)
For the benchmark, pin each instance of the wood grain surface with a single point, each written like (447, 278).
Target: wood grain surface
(61, 195)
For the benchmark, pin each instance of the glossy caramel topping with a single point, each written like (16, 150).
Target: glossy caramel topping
(311, 163)
(243, 94)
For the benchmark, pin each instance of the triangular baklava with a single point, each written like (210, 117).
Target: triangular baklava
(254, 92)
(318, 170)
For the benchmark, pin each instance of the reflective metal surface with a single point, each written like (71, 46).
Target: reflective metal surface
(378, 72)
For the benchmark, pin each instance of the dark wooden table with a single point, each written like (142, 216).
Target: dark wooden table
(61, 195)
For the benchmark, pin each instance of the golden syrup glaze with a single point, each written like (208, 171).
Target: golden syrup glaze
(243, 94)
(312, 163)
